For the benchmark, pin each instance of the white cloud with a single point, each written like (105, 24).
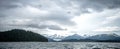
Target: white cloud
(112, 18)
(34, 10)
(103, 29)
(89, 21)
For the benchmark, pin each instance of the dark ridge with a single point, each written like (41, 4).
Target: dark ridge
(19, 35)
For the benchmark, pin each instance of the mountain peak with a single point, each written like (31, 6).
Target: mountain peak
(113, 34)
(74, 36)
(104, 36)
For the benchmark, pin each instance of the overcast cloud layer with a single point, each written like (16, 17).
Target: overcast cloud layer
(61, 16)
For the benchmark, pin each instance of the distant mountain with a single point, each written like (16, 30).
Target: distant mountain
(105, 37)
(51, 40)
(18, 35)
(95, 38)
(54, 37)
(73, 37)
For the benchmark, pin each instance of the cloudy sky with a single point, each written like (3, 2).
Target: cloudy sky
(62, 17)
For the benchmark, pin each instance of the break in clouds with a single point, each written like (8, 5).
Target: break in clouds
(61, 16)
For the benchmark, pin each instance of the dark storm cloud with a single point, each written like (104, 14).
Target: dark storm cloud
(6, 4)
(101, 4)
(81, 6)
(107, 3)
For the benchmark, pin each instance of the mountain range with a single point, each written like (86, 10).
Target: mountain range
(18, 35)
(75, 36)
(54, 37)
(94, 38)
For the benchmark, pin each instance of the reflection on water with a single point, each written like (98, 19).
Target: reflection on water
(59, 45)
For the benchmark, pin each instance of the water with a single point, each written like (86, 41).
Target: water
(59, 45)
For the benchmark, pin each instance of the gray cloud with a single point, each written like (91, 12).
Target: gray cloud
(59, 17)
(50, 14)
(9, 26)
(51, 27)
(99, 5)
(80, 5)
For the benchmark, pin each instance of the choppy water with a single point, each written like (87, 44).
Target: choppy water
(59, 45)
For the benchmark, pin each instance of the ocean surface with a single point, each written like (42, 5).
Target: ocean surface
(59, 45)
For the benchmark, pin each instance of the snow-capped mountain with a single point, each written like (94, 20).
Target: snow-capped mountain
(55, 37)
(105, 37)
(78, 38)
(75, 36)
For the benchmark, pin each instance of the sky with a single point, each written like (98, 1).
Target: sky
(62, 17)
